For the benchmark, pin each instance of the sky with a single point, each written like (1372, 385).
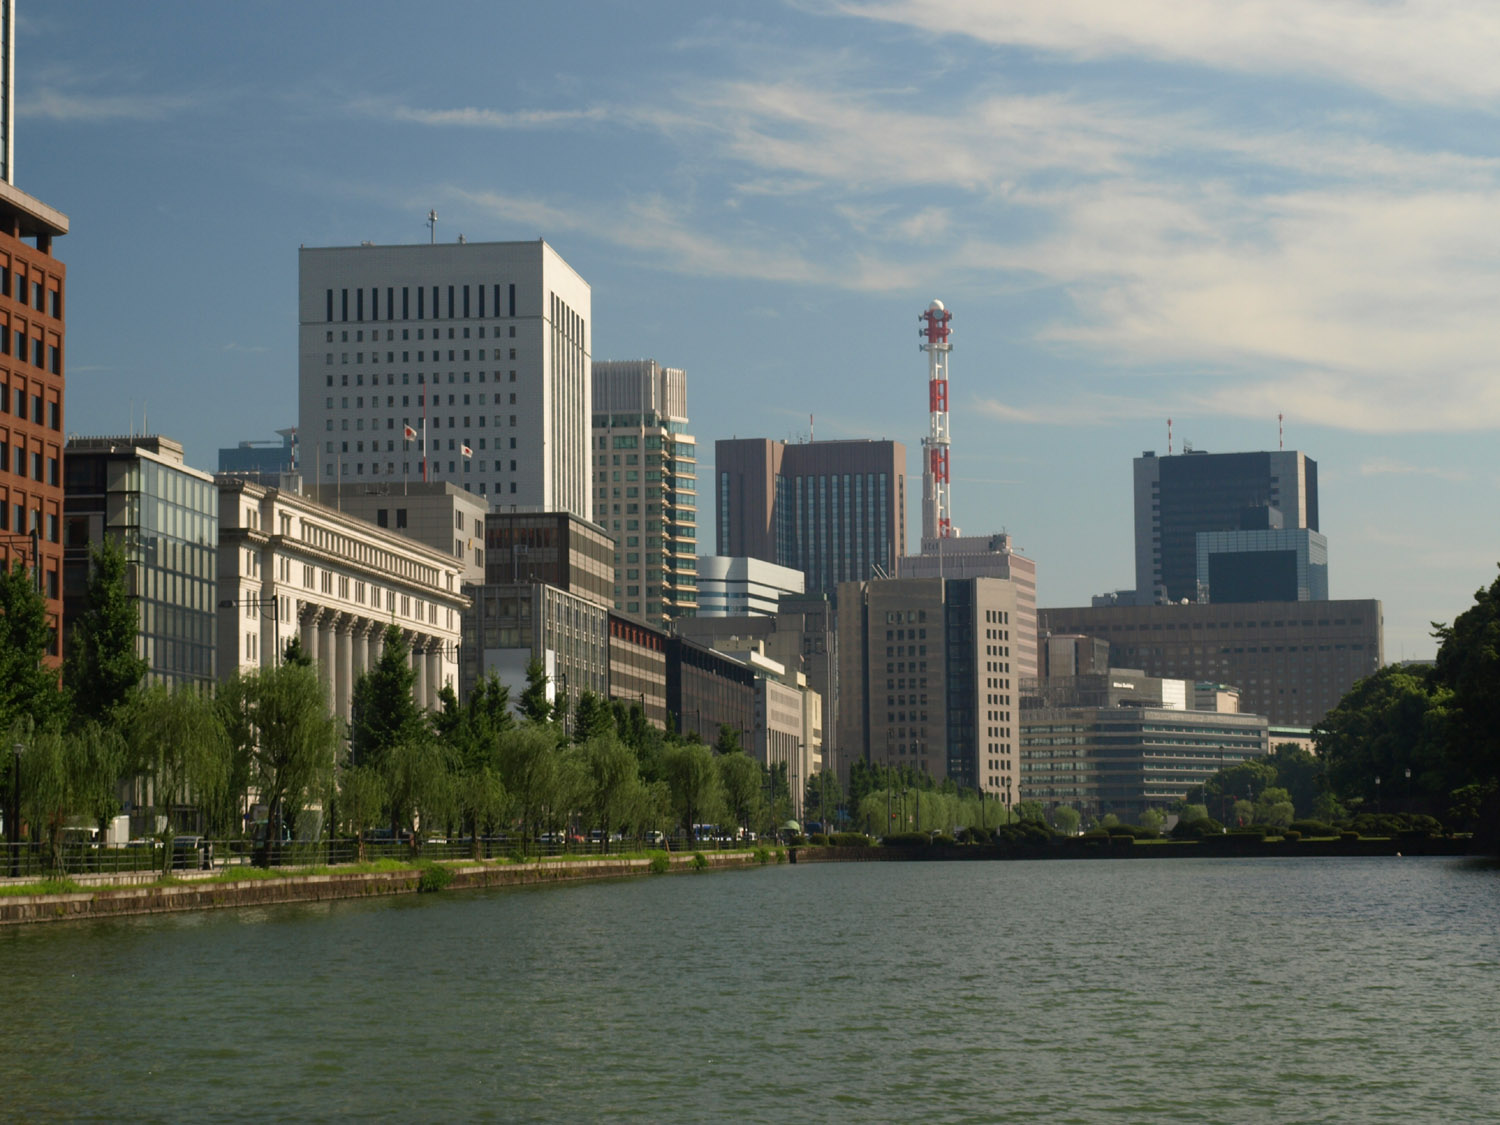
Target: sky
(1216, 213)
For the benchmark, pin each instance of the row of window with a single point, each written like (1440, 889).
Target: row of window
(390, 357)
(390, 401)
(458, 302)
(16, 404)
(390, 335)
(38, 461)
(32, 350)
(37, 295)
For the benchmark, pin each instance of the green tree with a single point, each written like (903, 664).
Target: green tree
(728, 741)
(822, 798)
(177, 745)
(529, 767)
(1151, 818)
(612, 781)
(27, 686)
(592, 718)
(292, 741)
(101, 670)
(361, 801)
(383, 713)
(481, 799)
(1392, 720)
(1300, 773)
(1468, 671)
(1274, 807)
(534, 705)
(1031, 810)
(294, 653)
(740, 781)
(64, 775)
(419, 780)
(694, 784)
(1065, 819)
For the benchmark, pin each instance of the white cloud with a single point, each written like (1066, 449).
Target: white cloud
(1423, 50)
(1389, 466)
(50, 103)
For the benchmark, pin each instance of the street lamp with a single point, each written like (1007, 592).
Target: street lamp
(1377, 793)
(13, 817)
(260, 603)
(1408, 789)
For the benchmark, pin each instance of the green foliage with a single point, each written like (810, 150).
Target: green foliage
(1291, 836)
(822, 797)
(1197, 829)
(434, 878)
(1300, 773)
(694, 785)
(1388, 722)
(850, 840)
(1152, 819)
(661, 863)
(1065, 819)
(1311, 828)
(279, 720)
(907, 840)
(593, 718)
(762, 855)
(700, 861)
(383, 713)
(294, 653)
(27, 686)
(531, 768)
(101, 670)
(361, 792)
(613, 780)
(944, 840)
(66, 775)
(1031, 810)
(728, 741)
(176, 742)
(534, 705)
(1191, 813)
(740, 781)
(1468, 670)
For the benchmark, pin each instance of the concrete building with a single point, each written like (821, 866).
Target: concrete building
(290, 566)
(646, 486)
(164, 516)
(1176, 497)
(549, 582)
(33, 288)
(409, 356)
(801, 637)
(638, 667)
(1071, 654)
(986, 556)
(743, 586)
(707, 690)
(928, 677)
(835, 510)
(1292, 661)
(438, 513)
(1123, 742)
(262, 459)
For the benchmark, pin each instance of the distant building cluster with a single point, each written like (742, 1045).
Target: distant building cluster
(462, 468)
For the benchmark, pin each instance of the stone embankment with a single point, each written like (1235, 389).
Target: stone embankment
(124, 900)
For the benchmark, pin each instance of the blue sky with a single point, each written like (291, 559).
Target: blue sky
(1214, 212)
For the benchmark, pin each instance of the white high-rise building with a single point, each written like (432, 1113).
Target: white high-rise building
(463, 362)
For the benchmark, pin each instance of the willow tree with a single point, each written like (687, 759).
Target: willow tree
(67, 775)
(176, 745)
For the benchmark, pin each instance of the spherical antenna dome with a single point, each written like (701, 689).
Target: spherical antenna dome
(936, 306)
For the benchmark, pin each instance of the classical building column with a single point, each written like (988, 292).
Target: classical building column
(308, 621)
(361, 647)
(418, 653)
(376, 643)
(327, 656)
(434, 672)
(343, 665)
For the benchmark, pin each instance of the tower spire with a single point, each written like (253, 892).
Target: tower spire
(937, 510)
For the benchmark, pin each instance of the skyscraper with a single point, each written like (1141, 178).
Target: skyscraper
(1176, 497)
(646, 486)
(466, 362)
(835, 510)
(32, 288)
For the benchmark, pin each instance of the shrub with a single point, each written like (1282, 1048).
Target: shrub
(797, 840)
(944, 840)
(851, 840)
(661, 863)
(818, 839)
(1256, 831)
(1199, 829)
(1348, 836)
(1292, 836)
(1313, 828)
(907, 840)
(1125, 841)
(700, 861)
(434, 878)
(1096, 833)
(780, 855)
(762, 855)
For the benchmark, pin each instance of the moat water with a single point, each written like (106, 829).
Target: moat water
(1216, 990)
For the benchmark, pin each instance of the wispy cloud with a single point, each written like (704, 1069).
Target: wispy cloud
(1423, 50)
(1387, 466)
(479, 117)
(53, 104)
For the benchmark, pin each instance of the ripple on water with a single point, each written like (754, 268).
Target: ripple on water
(1233, 990)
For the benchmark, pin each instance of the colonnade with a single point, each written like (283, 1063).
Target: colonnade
(347, 645)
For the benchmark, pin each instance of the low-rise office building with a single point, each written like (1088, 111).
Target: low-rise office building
(438, 513)
(744, 587)
(638, 666)
(707, 690)
(290, 566)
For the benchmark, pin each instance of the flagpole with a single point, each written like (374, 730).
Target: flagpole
(425, 397)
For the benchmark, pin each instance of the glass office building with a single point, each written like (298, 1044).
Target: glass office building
(165, 517)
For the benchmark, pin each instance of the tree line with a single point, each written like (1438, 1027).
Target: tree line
(261, 759)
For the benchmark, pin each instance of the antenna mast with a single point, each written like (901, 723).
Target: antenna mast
(432, 227)
(1280, 433)
(937, 503)
(1169, 437)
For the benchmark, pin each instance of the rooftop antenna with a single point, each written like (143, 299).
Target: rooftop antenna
(432, 227)
(1280, 433)
(1169, 437)
(812, 432)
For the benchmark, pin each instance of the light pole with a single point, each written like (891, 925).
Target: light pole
(13, 817)
(1408, 789)
(1377, 794)
(260, 603)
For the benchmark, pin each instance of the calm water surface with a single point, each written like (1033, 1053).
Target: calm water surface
(1216, 990)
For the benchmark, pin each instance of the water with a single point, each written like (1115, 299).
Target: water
(1216, 990)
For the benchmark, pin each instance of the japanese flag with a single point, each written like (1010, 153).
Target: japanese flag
(468, 452)
(411, 434)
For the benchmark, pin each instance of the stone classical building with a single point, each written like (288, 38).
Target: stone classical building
(289, 566)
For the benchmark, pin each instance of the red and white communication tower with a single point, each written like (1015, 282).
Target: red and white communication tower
(937, 508)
